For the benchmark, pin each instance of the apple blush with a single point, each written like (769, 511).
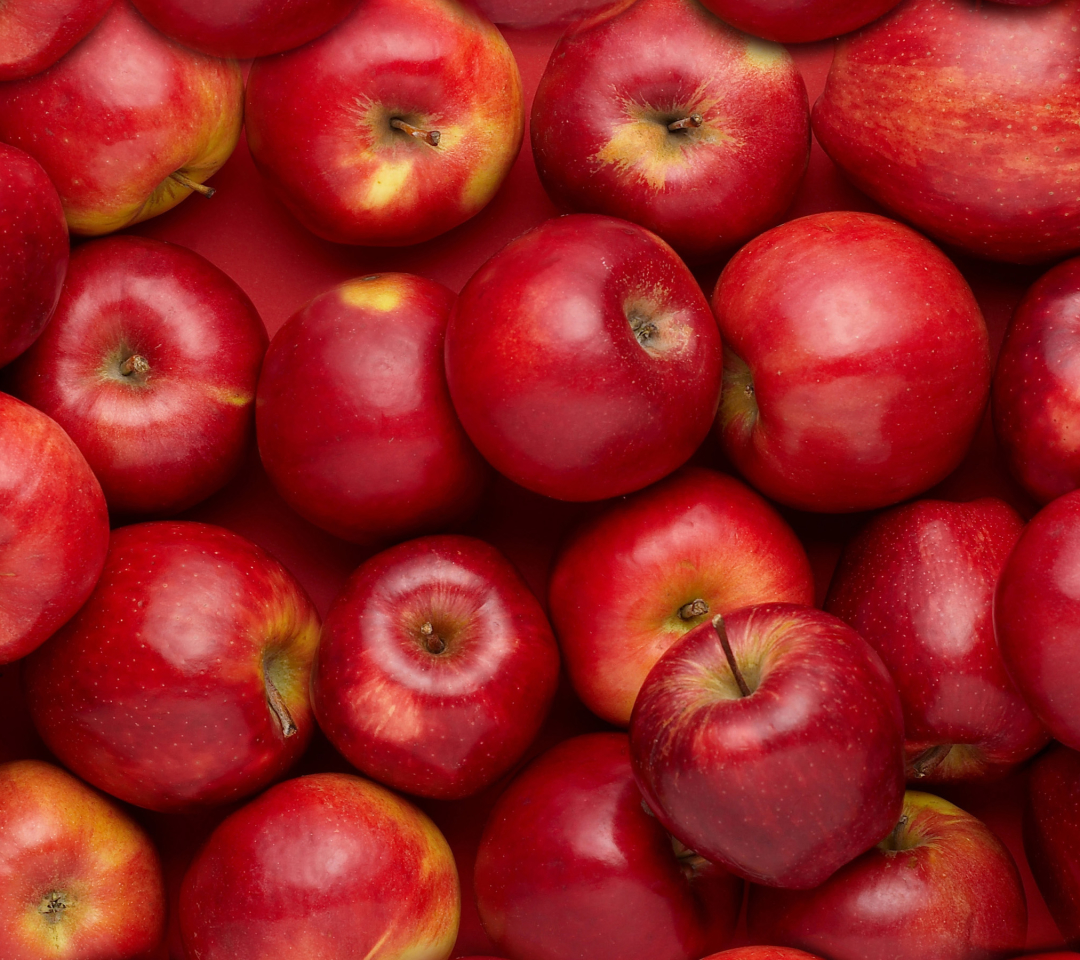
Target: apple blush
(34, 34)
(801, 21)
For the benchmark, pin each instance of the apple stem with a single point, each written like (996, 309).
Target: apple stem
(893, 840)
(695, 608)
(927, 761)
(280, 710)
(694, 120)
(193, 184)
(433, 643)
(721, 632)
(431, 137)
(135, 364)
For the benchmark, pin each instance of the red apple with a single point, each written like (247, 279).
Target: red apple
(150, 365)
(571, 864)
(632, 581)
(940, 885)
(183, 681)
(845, 336)
(761, 953)
(918, 585)
(436, 667)
(964, 118)
(334, 867)
(397, 125)
(78, 878)
(356, 428)
(603, 115)
(55, 528)
(582, 359)
(34, 34)
(33, 251)
(800, 21)
(540, 13)
(127, 124)
(781, 761)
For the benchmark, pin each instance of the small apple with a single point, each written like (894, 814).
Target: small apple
(34, 34)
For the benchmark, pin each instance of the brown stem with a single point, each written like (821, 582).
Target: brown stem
(431, 137)
(280, 711)
(721, 632)
(433, 643)
(193, 184)
(928, 761)
(694, 120)
(892, 842)
(695, 608)
(135, 364)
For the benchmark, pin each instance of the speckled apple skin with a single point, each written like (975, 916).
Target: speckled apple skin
(800, 21)
(34, 34)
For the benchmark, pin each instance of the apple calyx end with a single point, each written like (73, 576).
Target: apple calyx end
(53, 905)
(645, 330)
(430, 137)
(721, 633)
(693, 609)
(186, 181)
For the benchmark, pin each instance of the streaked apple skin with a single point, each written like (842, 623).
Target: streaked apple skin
(982, 139)
(570, 864)
(334, 866)
(917, 583)
(355, 424)
(788, 784)
(166, 438)
(318, 122)
(947, 889)
(157, 691)
(63, 846)
(552, 381)
(621, 580)
(600, 115)
(800, 21)
(56, 528)
(1036, 390)
(124, 110)
(845, 334)
(464, 710)
(34, 34)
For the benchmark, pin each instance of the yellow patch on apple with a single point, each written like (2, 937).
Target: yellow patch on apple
(373, 293)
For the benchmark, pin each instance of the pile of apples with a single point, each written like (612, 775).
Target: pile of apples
(554, 494)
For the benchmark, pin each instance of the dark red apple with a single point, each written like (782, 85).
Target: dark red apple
(761, 953)
(800, 21)
(571, 864)
(940, 885)
(781, 761)
(355, 423)
(964, 118)
(150, 365)
(845, 336)
(436, 667)
(917, 583)
(55, 528)
(34, 34)
(582, 359)
(183, 681)
(635, 579)
(703, 138)
(541, 13)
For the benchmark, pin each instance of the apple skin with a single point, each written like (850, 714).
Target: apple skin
(334, 866)
(963, 86)
(33, 251)
(56, 528)
(761, 953)
(1036, 391)
(786, 785)
(464, 710)
(159, 691)
(165, 438)
(571, 864)
(845, 334)
(34, 34)
(944, 887)
(355, 424)
(318, 122)
(697, 535)
(582, 359)
(800, 21)
(64, 846)
(917, 583)
(115, 118)
(244, 28)
(600, 119)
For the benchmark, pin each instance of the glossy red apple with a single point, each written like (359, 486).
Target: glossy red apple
(55, 528)
(940, 885)
(399, 124)
(34, 34)
(127, 124)
(571, 864)
(582, 359)
(800, 21)
(761, 953)
(603, 118)
(334, 867)
(917, 583)
(541, 13)
(436, 667)
(150, 365)
(183, 681)
(781, 763)
(845, 335)
(356, 428)
(632, 581)
(964, 118)
(78, 877)
(33, 251)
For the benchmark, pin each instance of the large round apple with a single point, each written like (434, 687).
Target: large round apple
(582, 359)
(856, 362)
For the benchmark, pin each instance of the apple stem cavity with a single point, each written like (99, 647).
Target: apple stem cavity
(695, 608)
(431, 137)
(193, 184)
(279, 709)
(433, 643)
(894, 841)
(721, 632)
(135, 364)
(644, 329)
(928, 761)
(694, 120)
(53, 906)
